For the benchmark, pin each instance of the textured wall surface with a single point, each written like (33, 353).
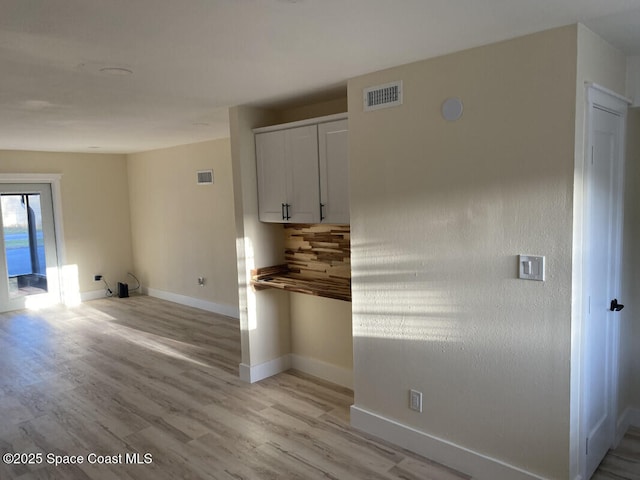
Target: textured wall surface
(630, 320)
(181, 230)
(264, 316)
(440, 210)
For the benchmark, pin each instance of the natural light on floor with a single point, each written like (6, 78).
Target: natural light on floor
(64, 287)
(158, 343)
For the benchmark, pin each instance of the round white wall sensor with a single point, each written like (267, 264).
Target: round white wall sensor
(452, 109)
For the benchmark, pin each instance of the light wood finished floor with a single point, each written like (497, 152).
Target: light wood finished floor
(623, 463)
(117, 376)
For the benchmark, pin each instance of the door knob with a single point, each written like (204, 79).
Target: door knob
(615, 306)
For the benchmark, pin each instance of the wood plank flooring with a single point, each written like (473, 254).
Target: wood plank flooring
(623, 463)
(140, 375)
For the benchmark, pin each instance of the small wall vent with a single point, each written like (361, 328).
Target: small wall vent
(205, 177)
(383, 96)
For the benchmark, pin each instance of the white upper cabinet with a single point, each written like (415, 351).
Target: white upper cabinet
(333, 150)
(288, 183)
(303, 185)
(303, 171)
(272, 183)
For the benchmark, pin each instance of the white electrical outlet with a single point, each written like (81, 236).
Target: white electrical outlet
(415, 400)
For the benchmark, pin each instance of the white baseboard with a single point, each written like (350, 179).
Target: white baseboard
(479, 466)
(92, 295)
(255, 373)
(226, 310)
(630, 418)
(327, 371)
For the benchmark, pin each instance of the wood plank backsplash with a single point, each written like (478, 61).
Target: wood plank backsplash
(318, 251)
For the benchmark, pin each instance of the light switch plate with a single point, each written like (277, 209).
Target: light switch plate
(531, 267)
(415, 400)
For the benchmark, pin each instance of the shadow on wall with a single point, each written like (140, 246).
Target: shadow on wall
(400, 296)
(438, 307)
(479, 368)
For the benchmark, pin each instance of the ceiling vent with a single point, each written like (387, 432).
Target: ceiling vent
(205, 177)
(383, 96)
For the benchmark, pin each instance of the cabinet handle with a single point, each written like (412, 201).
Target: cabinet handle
(283, 212)
(321, 211)
(287, 205)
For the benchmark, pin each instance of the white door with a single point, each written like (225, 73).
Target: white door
(603, 224)
(333, 138)
(28, 263)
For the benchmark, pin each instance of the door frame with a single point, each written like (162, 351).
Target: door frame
(53, 179)
(596, 97)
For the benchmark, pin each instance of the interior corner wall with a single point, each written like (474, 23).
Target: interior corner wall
(321, 337)
(629, 398)
(95, 204)
(181, 230)
(321, 330)
(439, 212)
(264, 316)
(319, 109)
(633, 79)
(597, 62)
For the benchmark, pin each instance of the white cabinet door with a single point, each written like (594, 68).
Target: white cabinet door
(333, 140)
(287, 169)
(271, 171)
(303, 184)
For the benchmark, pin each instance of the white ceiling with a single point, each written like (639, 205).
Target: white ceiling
(192, 59)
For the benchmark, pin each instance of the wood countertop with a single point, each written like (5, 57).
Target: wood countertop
(281, 277)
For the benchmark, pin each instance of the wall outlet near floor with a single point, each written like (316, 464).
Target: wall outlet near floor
(201, 281)
(97, 278)
(415, 400)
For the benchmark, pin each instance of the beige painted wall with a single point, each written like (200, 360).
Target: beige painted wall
(439, 213)
(95, 203)
(303, 112)
(264, 316)
(321, 329)
(181, 230)
(630, 318)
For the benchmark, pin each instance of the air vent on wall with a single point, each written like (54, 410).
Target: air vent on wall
(205, 177)
(383, 96)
